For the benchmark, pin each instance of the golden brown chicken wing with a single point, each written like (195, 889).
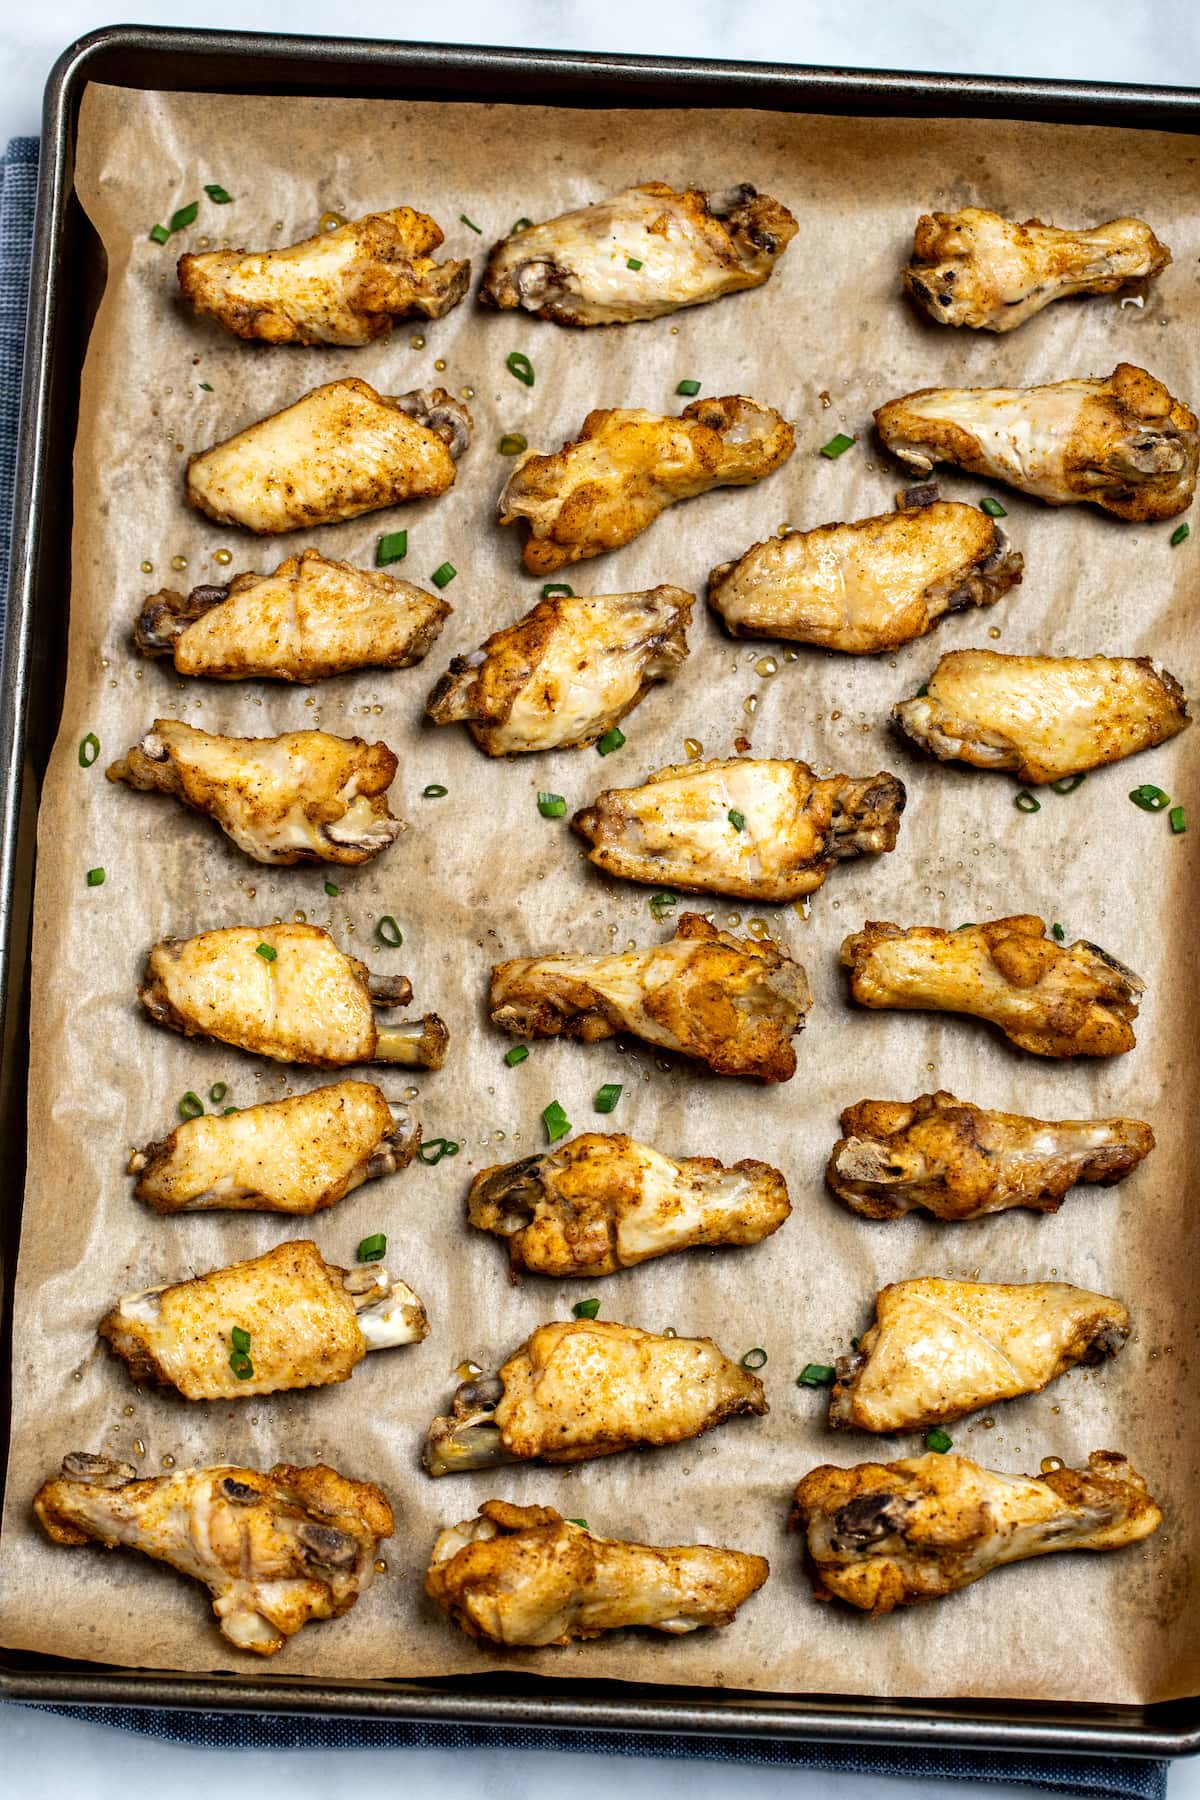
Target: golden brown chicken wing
(1048, 998)
(288, 992)
(345, 286)
(274, 1550)
(579, 1388)
(564, 674)
(1122, 442)
(524, 1575)
(940, 1349)
(882, 1535)
(648, 251)
(958, 1161)
(869, 585)
(625, 467)
(976, 268)
(339, 451)
(732, 1003)
(604, 1202)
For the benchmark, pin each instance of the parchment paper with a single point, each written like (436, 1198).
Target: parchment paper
(480, 875)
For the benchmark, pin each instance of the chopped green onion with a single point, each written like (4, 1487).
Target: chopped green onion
(95, 877)
(240, 1338)
(968, 926)
(372, 1248)
(1150, 799)
(433, 1150)
(816, 1375)
(688, 387)
(633, 262)
(737, 819)
(217, 194)
(586, 1309)
(512, 444)
(582, 1524)
(443, 575)
(463, 220)
(1057, 932)
(1180, 532)
(390, 548)
(159, 234)
(1066, 784)
(837, 445)
(332, 889)
(992, 508)
(89, 750)
(938, 1440)
(226, 1110)
(518, 364)
(434, 791)
(754, 1359)
(185, 216)
(207, 386)
(556, 1122)
(241, 1365)
(551, 806)
(557, 587)
(520, 225)
(612, 740)
(389, 933)
(607, 1096)
(922, 691)
(265, 951)
(217, 1092)
(1025, 802)
(662, 902)
(516, 1055)
(1178, 820)
(191, 1106)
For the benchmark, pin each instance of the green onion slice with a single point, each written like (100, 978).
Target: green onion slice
(332, 889)
(551, 806)
(607, 1096)
(1150, 799)
(241, 1365)
(443, 575)
(837, 445)
(662, 903)
(968, 925)
(612, 740)
(207, 386)
(1178, 820)
(389, 933)
(463, 220)
(754, 1359)
(582, 1524)
(633, 262)
(1180, 532)
(159, 234)
(434, 791)
(1025, 802)
(433, 1150)
(1066, 784)
(992, 508)
(265, 951)
(225, 1111)
(217, 1092)
(516, 1055)
(239, 1337)
(217, 193)
(737, 819)
(520, 225)
(556, 1122)
(191, 1106)
(586, 1309)
(89, 750)
(185, 216)
(512, 444)
(688, 387)
(816, 1375)
(95, 877)
(518, 364)
(390, 548)
(1057, 932)
(372, 1248)
(557, 587)
(938, 1440)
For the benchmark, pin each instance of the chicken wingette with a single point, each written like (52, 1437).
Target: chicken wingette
(882, 1535)
(974, 267)
(605, 1202)
(627, 466)
(524, 1575)
(297, 1155)
(1121, 441)
(1048, 998)
(732, 1003)
(754, 829)
(579, 1388)
(940, 1349)
(274, 1550)
(287, 992)
(311, 617)
(869, 585)
(1044, 718)
(648, 251)
(345, 286)
(564, 674)
(339, 451)
(959, 1161)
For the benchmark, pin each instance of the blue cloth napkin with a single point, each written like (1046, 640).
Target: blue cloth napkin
(1106, 1778)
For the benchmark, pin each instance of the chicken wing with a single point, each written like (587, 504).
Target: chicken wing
(732, 1003)
(287, 992)
(755, 829)
(648, 251)
(870, 585)
(605, 1202)
(339, 451)
(580, 1388)
(1042, 717)
(940, 1349)
(958, 1161)
(284, 1320)
(524, 1575)
(1122, 441)
(345, 286)
(303, 797)
(564, 674)
(975, 268)
(882, 1535)
(627, 466)
(310, 618)
(274, 1550)
(297, 1155)
(1050, 999)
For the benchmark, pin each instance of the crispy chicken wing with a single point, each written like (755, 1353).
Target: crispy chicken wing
(310, 618)
(297, 1155)
(1042, 717)
(870, 585)
(524, 1575)
(341, 287)
(627, 466)
(274, 1550)
(882, 1535)
(1051, 999)
(605, 1202)
(580, 1388)
(565, 673)
(646, 252)
(958, 1161)
(1122, 441)
(339, 451)
(975, 268)
(288, 992)
(732, 1003)
(303, 797)
(940, 1349)
(757, 829)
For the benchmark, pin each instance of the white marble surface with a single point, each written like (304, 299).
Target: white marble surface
(1155, 41)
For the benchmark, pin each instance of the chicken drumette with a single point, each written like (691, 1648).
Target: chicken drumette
(1051, 999)
(274, 1550)
(580, 1388)
(524, 1575)
(958, 1161)
(646, 252)
(883, 1535)
(732, 1003)
(564, 674)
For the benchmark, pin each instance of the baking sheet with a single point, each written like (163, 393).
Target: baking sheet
(480, 875)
